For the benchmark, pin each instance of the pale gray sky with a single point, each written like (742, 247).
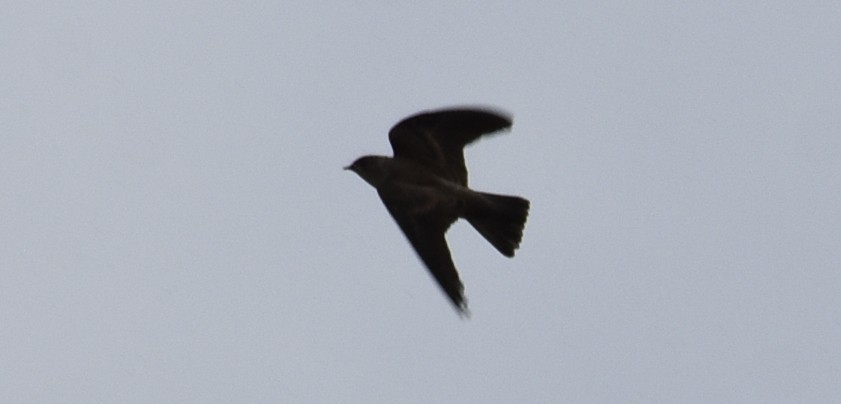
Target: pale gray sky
(175, 225)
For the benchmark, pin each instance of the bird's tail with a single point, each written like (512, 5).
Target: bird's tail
(500, 219)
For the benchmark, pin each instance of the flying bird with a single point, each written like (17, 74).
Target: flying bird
(424, 187)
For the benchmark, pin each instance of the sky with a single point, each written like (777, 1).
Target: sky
(175, 225)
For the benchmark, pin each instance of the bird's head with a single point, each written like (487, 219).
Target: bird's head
(372, 169)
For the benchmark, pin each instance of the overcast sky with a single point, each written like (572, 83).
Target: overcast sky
(175, 226)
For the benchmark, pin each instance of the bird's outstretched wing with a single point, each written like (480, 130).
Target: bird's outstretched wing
(436, 139)
(425, 231)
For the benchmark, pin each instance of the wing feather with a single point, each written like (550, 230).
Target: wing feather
(426, 234)
(436, 139)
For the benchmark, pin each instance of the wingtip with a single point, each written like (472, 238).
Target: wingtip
(462, 310)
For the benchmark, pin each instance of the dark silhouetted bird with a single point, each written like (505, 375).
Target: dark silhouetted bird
(424, 188)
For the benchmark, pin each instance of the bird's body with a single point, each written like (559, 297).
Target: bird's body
(408, 182)
(424, 188)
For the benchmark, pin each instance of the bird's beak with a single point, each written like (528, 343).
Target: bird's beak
(347, 168)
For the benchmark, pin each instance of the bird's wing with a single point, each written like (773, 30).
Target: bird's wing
(436, 139)
(426, 234)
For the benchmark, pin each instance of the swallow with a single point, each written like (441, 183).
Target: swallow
(424, 188)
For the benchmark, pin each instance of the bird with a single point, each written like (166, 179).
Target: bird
(424, 188)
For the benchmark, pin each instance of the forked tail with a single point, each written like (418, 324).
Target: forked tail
(500, 219)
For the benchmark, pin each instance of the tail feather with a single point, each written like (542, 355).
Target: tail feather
(500, 219)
